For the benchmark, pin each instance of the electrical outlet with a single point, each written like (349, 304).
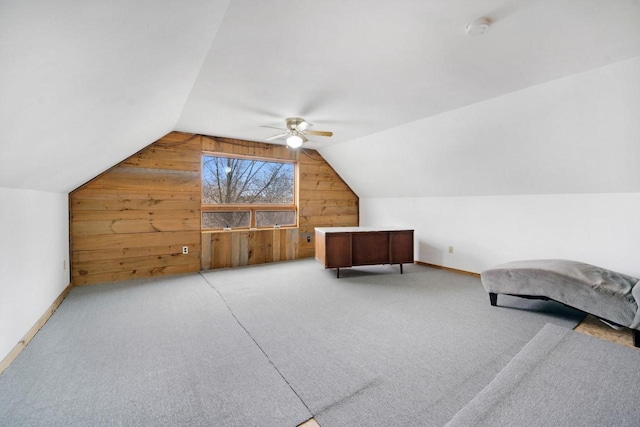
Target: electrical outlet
(450, 249)
(185, 250)
(309, 239)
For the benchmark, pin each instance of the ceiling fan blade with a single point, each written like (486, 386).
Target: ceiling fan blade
(303, 125)
(304, 138)
(272, 127)
(281, 135)
(319, 133)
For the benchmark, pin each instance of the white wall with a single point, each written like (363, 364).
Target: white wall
(34, 259)
(600, 229)
(552, 171)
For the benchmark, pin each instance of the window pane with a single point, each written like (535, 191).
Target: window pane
(227, 180)
(272, 218)
(239, 219)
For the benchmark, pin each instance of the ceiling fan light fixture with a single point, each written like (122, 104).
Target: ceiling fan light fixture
(294, 141)
(296, 132)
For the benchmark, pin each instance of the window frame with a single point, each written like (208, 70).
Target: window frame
(252, 208)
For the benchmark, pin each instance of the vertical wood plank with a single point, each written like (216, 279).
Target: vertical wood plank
(293, 249)
(225, 255)
(261, 246)
(220, 254)
(275, 251)
(243, 250)
(285, 236)
(205, 259)
(253, 252)
(268, 245)
(235, 249)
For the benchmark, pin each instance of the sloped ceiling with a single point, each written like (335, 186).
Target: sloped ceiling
(576, 134)
(85, 84)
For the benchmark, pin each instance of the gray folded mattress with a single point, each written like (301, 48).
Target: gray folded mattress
(604, 293)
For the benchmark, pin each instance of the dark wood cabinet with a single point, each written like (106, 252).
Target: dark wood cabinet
(338, 247)
(401, 247)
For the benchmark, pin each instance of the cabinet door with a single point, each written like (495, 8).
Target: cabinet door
(338, 250)
(401, 247)
(371, 248)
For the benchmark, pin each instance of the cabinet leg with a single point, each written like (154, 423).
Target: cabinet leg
(400, 268)
(338, 273)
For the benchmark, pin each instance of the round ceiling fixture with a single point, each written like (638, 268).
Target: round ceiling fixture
(294, 141)
(479, 26)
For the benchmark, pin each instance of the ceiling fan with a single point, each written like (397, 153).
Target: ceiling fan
(296, 132)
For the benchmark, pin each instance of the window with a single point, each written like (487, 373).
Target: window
(275, 218)
(235, 219)
(246, 193)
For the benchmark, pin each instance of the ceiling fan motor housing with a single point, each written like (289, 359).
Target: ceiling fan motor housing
(296, 124)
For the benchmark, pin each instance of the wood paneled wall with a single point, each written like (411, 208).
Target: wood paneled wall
(325, 200)
(133, 220)
(248, 247)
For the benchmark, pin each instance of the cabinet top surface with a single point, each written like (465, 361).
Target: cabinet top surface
(359, 229)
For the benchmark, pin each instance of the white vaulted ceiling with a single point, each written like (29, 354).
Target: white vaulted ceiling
(83, 85)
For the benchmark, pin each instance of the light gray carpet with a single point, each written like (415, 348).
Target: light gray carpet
(164, 352)
(376, 348)
(561, 378)
(271, 345)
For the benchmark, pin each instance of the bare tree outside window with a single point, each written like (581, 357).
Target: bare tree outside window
(228, 180)
(235, 182)
(233, 219)
(275, 218)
